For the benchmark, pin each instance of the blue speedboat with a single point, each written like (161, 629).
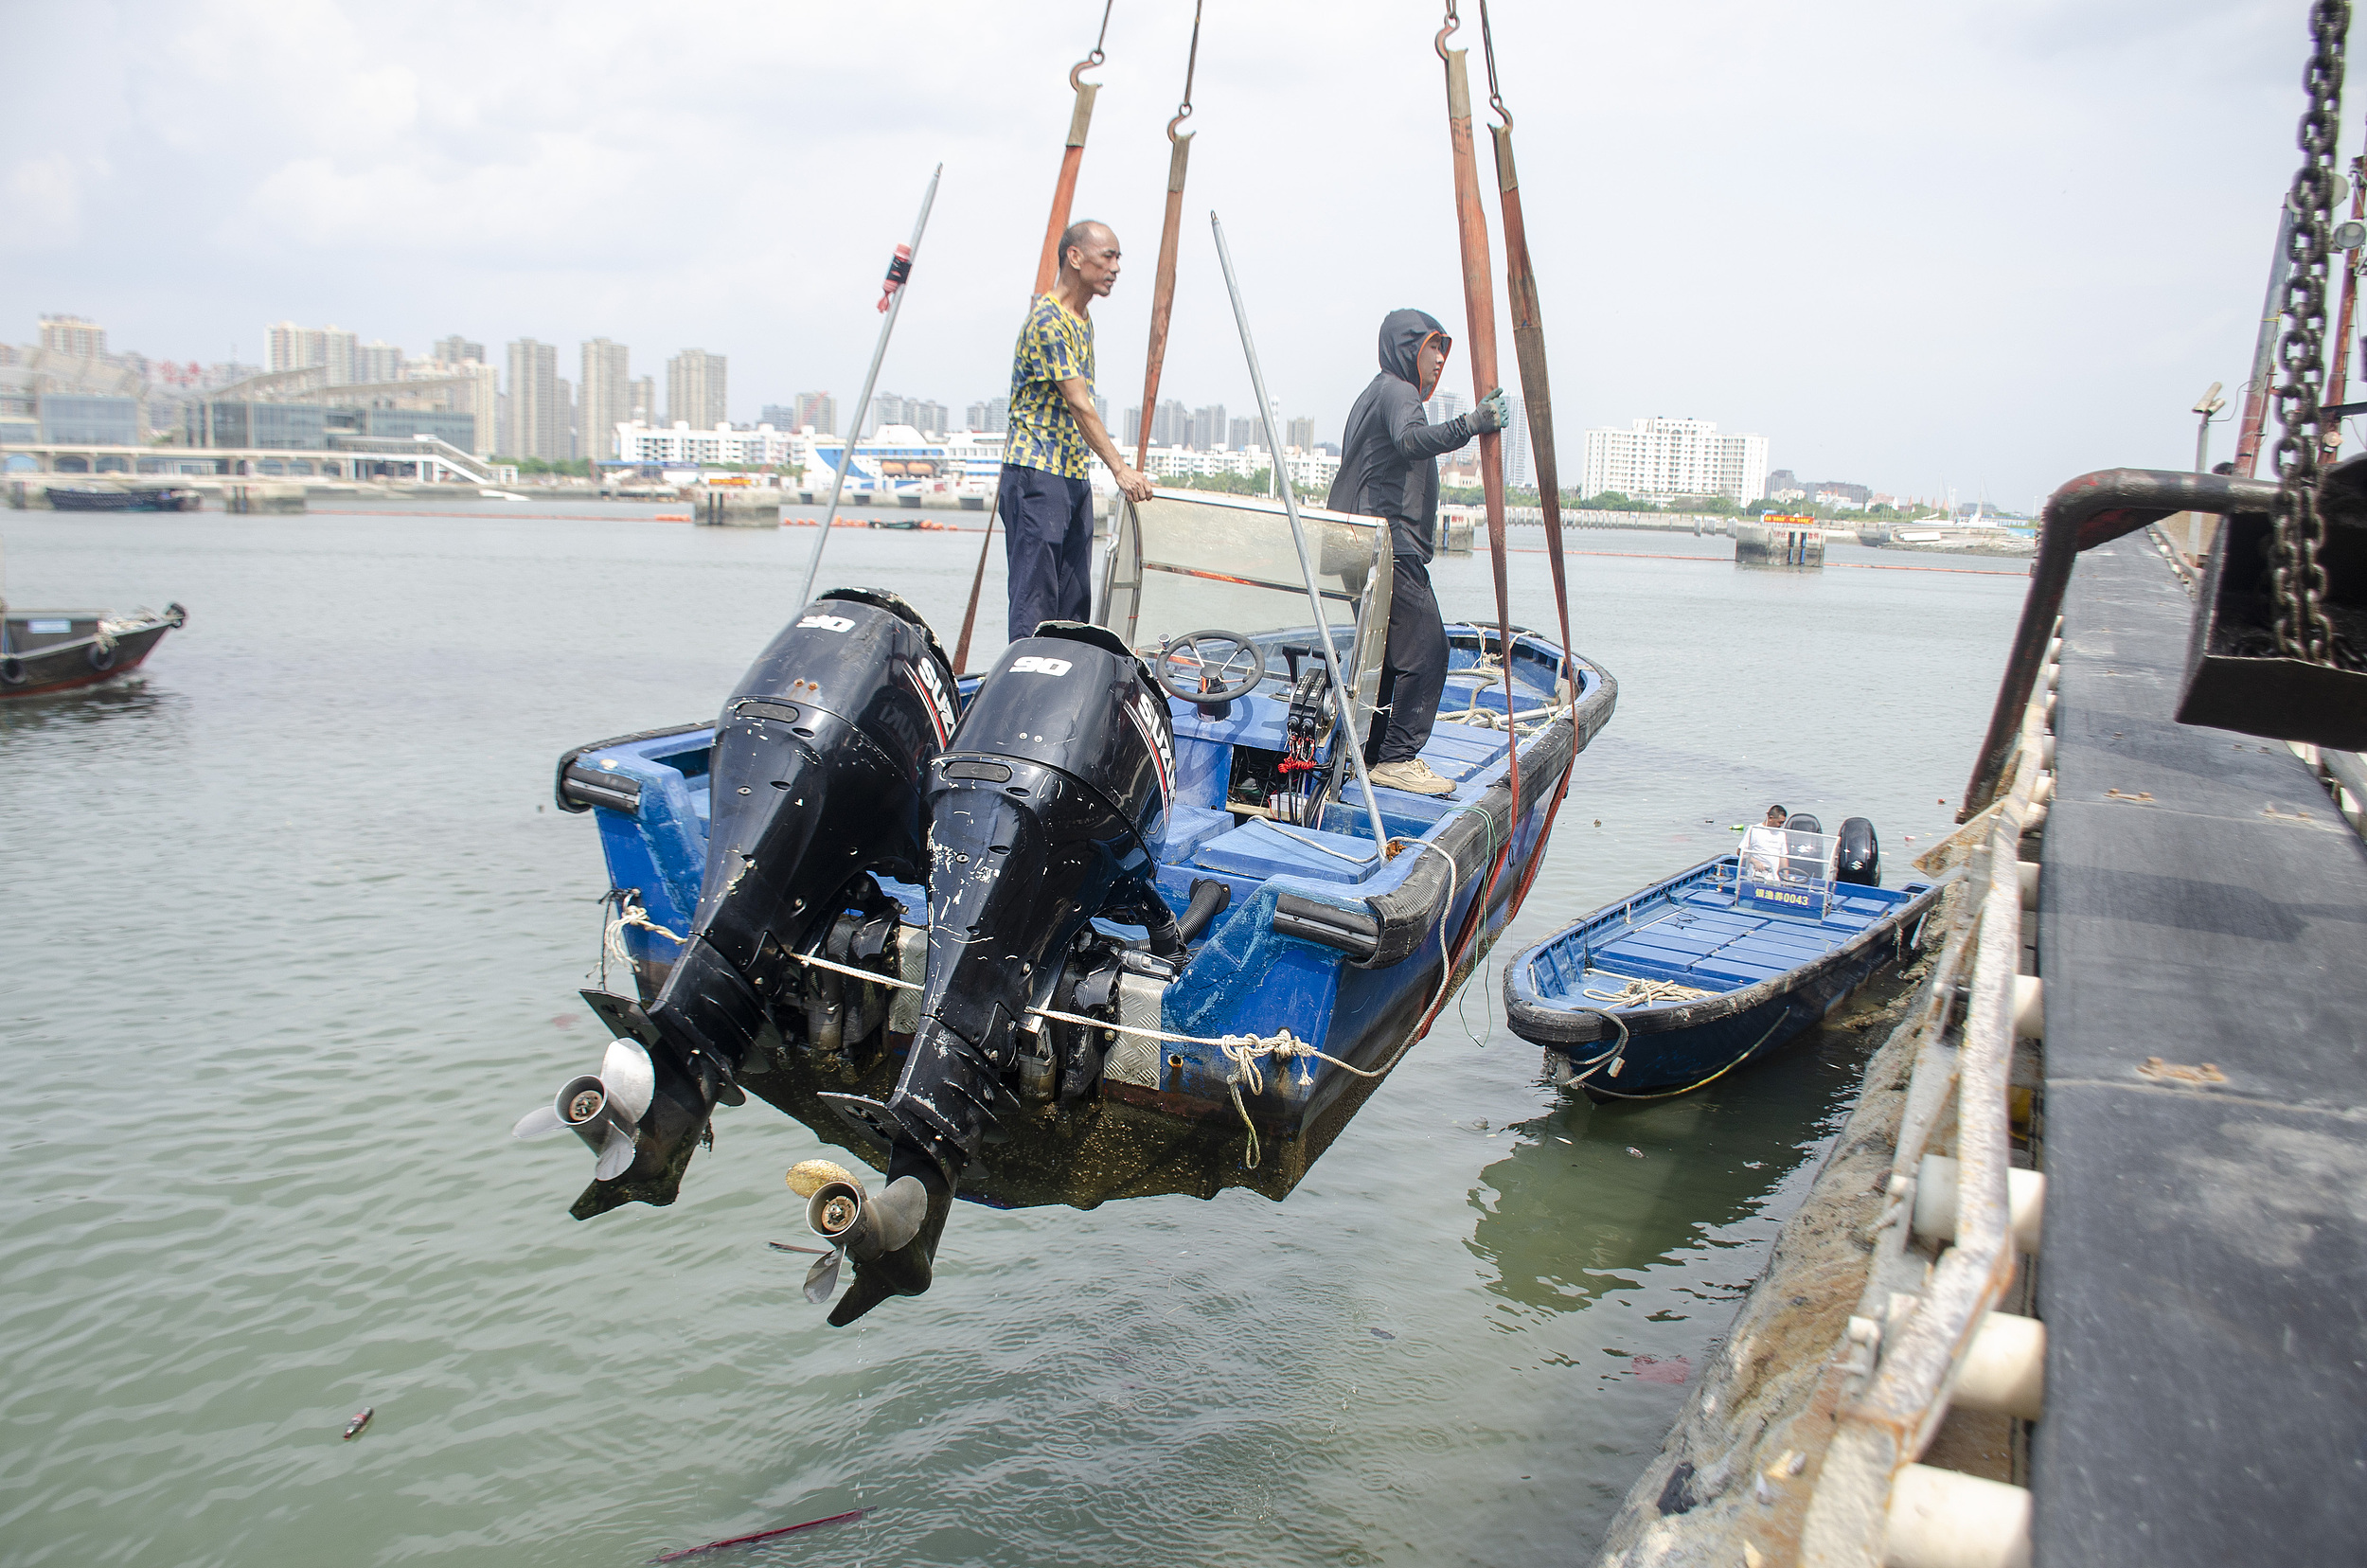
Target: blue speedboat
(1673, 988)
(1120, 920)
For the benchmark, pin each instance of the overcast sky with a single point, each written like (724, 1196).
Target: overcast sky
(1916, 245)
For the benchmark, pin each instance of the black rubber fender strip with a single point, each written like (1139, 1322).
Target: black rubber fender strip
(568, 759)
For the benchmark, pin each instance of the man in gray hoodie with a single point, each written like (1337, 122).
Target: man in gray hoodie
(1389, 468)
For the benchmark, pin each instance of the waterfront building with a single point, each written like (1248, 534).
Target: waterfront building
(604, 398)
(73, 336)
(532, 423)
(288, 346)
(91, 419)
(1664, 460)
(645, 409)
(680, 445)
(315, 427)
(695, 390)
(459, 351)
(1308, 469)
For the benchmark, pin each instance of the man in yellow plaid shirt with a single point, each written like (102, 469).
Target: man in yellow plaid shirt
(1044, 502)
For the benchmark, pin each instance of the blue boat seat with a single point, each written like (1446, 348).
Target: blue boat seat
(1187, 828)
(1258, 849)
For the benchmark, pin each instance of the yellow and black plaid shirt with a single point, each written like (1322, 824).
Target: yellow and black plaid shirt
(1054, 347)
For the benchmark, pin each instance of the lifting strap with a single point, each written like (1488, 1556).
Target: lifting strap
(1536, 401)
(1048, 269)
(1479, 308)
(1162, 290)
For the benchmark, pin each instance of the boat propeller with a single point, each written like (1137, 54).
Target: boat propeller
(855, 1223)
(604, 1110)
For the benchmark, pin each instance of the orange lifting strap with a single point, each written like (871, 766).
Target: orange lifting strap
(1528, 338)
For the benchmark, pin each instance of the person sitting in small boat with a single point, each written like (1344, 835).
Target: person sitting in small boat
(1764, 847)
(1388, 469)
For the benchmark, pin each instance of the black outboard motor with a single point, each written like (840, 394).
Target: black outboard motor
(1041, 816)
(815, 778)
(1860, 853)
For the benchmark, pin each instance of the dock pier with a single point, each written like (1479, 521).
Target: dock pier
(2081, 1280)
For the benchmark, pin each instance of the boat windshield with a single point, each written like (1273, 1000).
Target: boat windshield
(1797, 880)
(1190, 561)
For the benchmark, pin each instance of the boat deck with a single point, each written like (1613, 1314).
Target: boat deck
(1695, 936)
(2204, 1283)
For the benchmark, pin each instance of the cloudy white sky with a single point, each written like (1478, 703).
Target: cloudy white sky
(1987, 245)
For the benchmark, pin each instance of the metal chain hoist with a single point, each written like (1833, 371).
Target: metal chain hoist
(2297, 578)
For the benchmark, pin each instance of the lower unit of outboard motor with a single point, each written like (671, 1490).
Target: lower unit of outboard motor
(815, 780)
(1040, 813)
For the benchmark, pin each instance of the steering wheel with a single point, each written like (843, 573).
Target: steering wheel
(1209, 668)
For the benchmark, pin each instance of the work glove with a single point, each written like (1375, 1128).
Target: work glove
(1493, 413)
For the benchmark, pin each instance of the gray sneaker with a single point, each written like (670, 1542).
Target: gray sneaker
(1413, 777)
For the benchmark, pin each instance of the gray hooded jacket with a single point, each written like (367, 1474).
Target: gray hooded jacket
(1388, 452)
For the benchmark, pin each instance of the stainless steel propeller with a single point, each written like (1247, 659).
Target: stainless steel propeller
(603, 1108)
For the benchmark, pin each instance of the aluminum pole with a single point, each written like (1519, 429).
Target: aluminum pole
(2258, 391)
(1298, 537)
(871, 378)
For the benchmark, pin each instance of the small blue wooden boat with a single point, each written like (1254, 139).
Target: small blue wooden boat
(1674, 987)
(1113, 917)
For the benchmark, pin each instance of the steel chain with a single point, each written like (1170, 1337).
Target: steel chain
(2296, 578)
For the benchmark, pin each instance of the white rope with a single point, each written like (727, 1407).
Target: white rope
(629, 913)
(1642, 993)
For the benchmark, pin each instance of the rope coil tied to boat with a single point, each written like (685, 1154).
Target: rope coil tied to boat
(1645, 993)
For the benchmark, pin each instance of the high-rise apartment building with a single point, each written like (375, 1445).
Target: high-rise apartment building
(1209, 429)
(376, 361)
(817, 411)
(1662, 459)
(993, 417)
(604, 398)
(1301, 436)
(645, 409)
(1443, 406)
(1520, 469)
(1240, 435)
(695, 390)
(459, 351)
(889, 408)
(570, 436)
(288, 346)
(534, 423)
(1171, 424)
(73, 336)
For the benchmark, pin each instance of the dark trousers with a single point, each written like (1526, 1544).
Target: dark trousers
(1047, 545)
(1413, 670)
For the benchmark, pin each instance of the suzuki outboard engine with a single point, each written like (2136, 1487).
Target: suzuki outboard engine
(815, 778)
(1041, 816)
(1860, 853)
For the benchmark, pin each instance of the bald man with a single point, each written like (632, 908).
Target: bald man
(1046, 506)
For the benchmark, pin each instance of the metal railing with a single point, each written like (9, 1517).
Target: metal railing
(1921, 1322)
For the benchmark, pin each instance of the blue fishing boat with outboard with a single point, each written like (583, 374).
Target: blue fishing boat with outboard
(1118, 915)
(1677, 985)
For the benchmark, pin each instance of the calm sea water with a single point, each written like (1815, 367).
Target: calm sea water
(289, 936)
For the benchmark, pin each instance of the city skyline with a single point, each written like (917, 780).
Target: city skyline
(349, 154)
